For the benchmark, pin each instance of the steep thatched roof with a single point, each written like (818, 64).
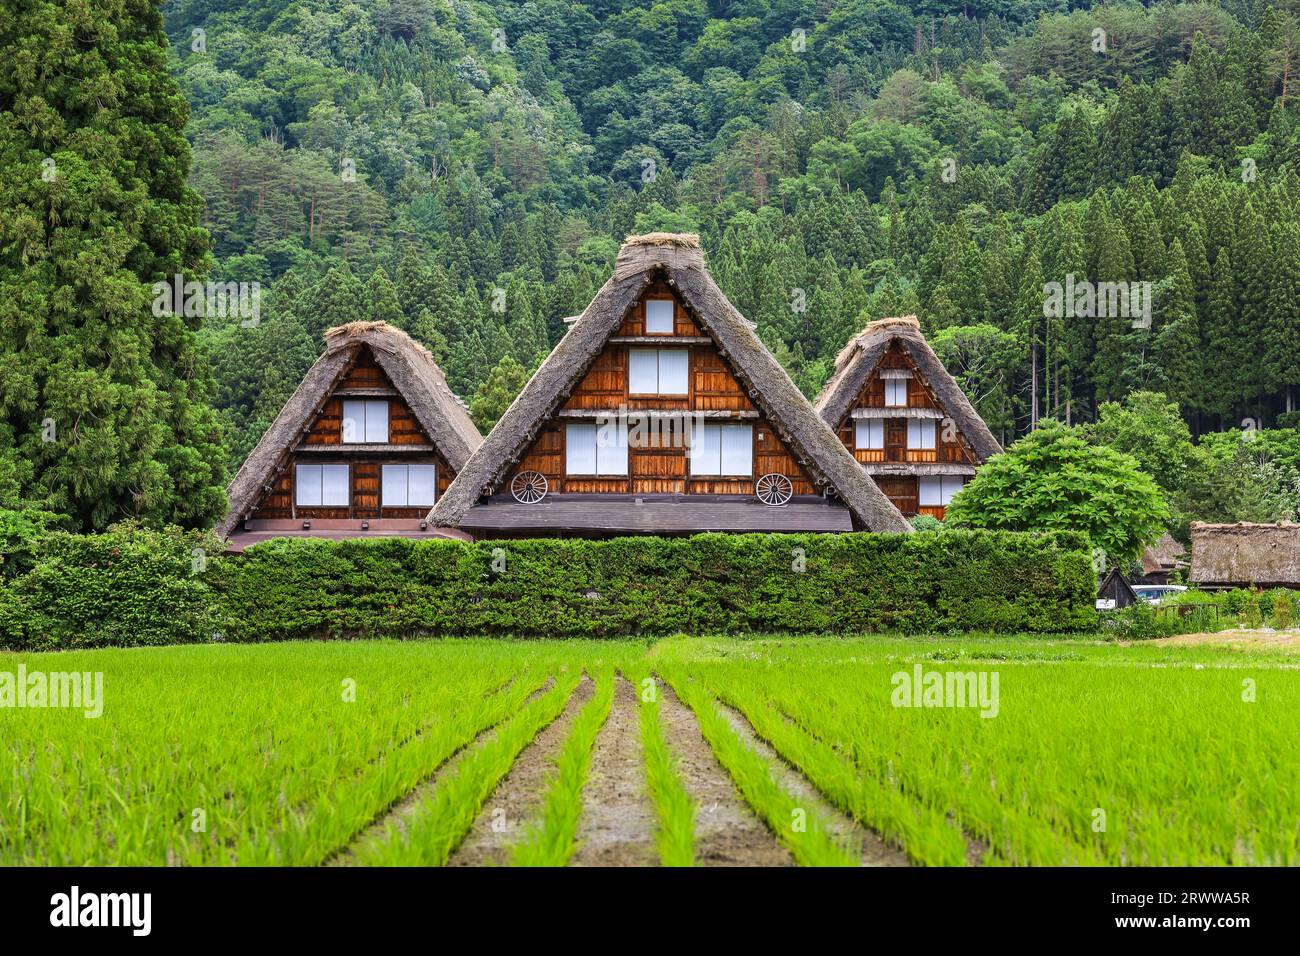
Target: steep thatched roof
(413, 372)
(678, 260)
(1165, 555)
(858, 359)
(1246, 554)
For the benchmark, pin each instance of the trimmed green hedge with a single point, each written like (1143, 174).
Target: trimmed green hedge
(129, 586)
(103, 590)
(713, 583)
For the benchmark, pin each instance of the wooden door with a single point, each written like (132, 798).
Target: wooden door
(902, 492)
(896, 440)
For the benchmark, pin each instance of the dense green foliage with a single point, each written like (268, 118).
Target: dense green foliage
(1247, 475)
(1053, 480)
(842, 161)
(127, 586)
(104, 406)
(139, 587)
(710, 583)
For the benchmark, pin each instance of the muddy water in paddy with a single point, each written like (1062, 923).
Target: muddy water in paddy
(618, 821)
(874, 850)
(399, 812)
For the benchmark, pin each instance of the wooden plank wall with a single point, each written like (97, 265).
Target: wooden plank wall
(327, 430)
(660, 468)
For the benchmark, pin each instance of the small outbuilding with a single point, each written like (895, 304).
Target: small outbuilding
(1162, 560)
(1115, 592)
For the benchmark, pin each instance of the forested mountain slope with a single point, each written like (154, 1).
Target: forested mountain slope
(466, 170)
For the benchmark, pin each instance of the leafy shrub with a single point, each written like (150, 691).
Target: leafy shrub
(1054, 480)
(927, 523)
(127, 586)
(1282, 606)
(1142, 621)
(21, 534)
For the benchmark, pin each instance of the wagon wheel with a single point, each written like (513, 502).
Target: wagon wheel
(529, 487)
(774, 489)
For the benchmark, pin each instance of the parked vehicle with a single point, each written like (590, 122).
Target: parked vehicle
(1155, 593)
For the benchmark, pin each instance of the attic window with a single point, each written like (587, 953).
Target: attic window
(920, 434)
(596, 449)
(659, 316)
(408, 486)
(871, 433)
(896, 392)
(365, 423)
(658, 372)
(723, 450)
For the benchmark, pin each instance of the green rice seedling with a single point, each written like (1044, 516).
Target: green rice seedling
(798, 827)
(1099, 753)
(674, 809)
(550, 840)
(931, 836)
(436, 826)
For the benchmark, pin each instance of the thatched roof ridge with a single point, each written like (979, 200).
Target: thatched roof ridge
(414, 373)
(858, 359)
(681, 263)
(1246, 554)
(679, 240)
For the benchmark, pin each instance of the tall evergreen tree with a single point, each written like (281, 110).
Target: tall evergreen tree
(106, 402)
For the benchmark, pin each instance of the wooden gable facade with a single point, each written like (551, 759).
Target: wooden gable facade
(907, 425)
(325, 442)
(904, 418)
(661, 412)
(365, 445)
(659, 454)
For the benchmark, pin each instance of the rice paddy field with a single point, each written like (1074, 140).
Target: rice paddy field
(685, 751)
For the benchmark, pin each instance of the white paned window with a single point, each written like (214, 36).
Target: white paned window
(723, 450)
(658, 371)
(896, 392)
(365, 423)
(674, 370)
(871, 433)
(596, 449)
(321, 486)
(406, 486)
(642, 371)
(920, 434)
(737, 450)
(939, 490)
(659, 316)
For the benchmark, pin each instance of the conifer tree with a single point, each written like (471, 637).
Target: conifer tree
(496, 393)
(104, 391)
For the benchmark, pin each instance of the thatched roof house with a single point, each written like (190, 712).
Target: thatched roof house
(361, 447)
(661, 310)
(904, 417)
(1246, 555)
(1162, 559)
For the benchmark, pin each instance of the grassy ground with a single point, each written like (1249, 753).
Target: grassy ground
(391, 753)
